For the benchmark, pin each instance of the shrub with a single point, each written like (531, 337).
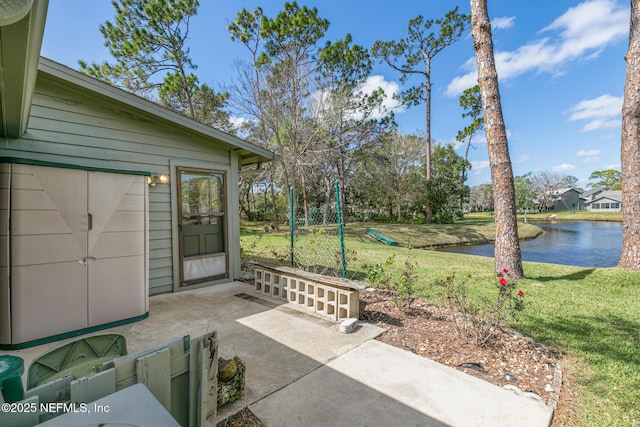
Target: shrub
(399, 283)
(482, 317)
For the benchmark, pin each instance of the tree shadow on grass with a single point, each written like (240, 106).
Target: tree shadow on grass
(577, 275)
(610, 346)
(608, 336)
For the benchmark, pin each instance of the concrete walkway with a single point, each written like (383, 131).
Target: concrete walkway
(376, 384)
(301, 371)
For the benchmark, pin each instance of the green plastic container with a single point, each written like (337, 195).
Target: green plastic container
(11, 370)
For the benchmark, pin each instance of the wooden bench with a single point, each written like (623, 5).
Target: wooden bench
(331, 297)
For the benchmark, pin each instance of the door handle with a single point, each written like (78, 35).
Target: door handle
(87, 260)
(89, 222)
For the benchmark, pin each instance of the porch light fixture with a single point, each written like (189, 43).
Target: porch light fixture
(154, 179)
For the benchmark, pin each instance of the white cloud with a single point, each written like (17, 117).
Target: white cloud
(589, 153)
(238, 122)
(563, 167)
(584, 31)
(591, 160)
(477, 165)
(521, 159)
(321, 99)
(600, 113)
(590, 26)
(590, 156)
(390, 89)
(502, 22)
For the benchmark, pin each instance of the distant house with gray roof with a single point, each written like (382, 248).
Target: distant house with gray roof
(566, 199)
(604, 201)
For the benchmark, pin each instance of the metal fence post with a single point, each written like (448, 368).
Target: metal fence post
(343, 259)
(292, 225)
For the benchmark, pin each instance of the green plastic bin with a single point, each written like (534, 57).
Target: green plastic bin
(11, 370)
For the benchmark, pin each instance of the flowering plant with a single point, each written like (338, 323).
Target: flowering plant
(480, 318)
(506, 298)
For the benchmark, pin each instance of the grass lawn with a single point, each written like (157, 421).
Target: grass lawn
(577, 215)
(590, 313)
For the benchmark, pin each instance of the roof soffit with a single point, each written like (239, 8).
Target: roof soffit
(21, 30)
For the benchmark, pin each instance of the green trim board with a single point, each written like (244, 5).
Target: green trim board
(58, 337)
(32, 162)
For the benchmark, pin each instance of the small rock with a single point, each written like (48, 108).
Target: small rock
(348, 325)
(548, 388)
(226, 369)
(476, 366)
(513, 388)
(509, 377)
(233, 389)
(534, 396)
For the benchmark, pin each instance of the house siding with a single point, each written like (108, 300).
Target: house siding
(74, 128)
(600, 202)
(568, 201)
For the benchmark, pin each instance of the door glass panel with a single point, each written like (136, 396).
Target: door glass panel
(202, 212)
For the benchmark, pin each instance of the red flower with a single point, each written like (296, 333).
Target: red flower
(505, 270)
(520, 293)
(503, 282)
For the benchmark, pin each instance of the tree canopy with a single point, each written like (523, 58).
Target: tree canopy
(413, 56)
(607, 179)
(148, 41)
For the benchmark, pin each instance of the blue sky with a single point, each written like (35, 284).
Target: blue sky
(561, 68)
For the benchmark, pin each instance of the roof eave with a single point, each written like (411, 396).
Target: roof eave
(21, 31)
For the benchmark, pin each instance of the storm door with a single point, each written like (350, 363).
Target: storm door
(202, 225)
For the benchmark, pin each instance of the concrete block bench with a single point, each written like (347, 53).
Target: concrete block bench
(334, 298)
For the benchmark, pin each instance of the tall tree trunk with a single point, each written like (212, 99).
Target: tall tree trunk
(427, 162)
(630, 150)
(463, 175)
(252, 199)
(305, 203)
(274, 203)
(327, 194)
(507, 247)
(248, 198)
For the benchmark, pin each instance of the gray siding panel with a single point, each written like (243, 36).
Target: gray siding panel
(157, 273)
(69, 128)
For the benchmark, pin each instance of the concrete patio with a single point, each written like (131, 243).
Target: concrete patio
(301, 371)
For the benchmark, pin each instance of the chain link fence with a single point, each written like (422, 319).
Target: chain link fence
(315, 240)
(316, 243)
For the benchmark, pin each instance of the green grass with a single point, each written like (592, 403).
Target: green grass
(468, 231)
(577, 215)
(590, 313)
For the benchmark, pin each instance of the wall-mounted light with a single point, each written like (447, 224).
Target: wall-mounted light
(154, 179)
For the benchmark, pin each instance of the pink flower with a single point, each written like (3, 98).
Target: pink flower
(503, 282)
(505, 270)
(520, 293)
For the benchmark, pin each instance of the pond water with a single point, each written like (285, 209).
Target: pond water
(580, 243)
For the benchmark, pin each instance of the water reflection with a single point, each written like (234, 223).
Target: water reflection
(580, 243)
